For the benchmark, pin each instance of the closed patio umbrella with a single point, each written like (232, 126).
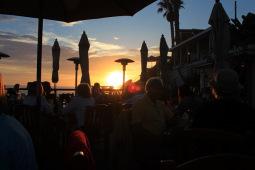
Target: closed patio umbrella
(219, 21)
(144, 59)
(84, 58)
(163, 49)
(55, 63)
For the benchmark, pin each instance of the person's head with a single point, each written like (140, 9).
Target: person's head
(34, 88)
(84, 90)
(16, 87)
(226, 84)
(46, 87)
(96, 85)
(154, 88)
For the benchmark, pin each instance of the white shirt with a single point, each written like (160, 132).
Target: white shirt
(32, 101)
(78, 106)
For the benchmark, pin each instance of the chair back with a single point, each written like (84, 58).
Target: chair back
(193, 143)
(28, 116)
(220, 162)
(89, 119)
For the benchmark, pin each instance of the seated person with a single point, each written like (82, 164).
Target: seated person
(13, 94)
(78, 104)
(16, 146)
(148, 122)
(31, 98)
(47, 89)
(97, 93)
(226, 111)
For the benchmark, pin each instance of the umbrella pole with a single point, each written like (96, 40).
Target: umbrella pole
(39, 60)
(76, 75)
(39, 49)
(123, 85)
(55, 89)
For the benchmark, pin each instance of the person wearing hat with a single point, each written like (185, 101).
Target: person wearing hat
(226, 111)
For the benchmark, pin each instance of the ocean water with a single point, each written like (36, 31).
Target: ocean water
(60, 89)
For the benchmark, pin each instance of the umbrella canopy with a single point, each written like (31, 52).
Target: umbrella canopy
(55, 63)
(69, 11)
(84, 58)
(3, 55)
(72, 10)
(144, 58)
(219, 21)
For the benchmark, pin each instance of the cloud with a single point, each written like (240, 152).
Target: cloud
(154, 50)
(7, 18)
(116, 38)
(49, 37)
(70, 24)
(21, 66)
(18, 38)
(97, 48)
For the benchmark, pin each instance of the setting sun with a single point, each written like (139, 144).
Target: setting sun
(114, 79)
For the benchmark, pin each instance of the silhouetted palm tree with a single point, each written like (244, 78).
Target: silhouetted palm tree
(177, 5)
(168, 12)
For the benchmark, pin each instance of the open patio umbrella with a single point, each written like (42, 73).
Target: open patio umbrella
(69, 11)
(219, 21)
(3, 55)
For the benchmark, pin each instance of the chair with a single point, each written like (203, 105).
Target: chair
(28, 116)
(89, 120)
(193, 143)
(220, 162)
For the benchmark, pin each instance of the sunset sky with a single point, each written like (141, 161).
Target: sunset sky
(110, 38)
